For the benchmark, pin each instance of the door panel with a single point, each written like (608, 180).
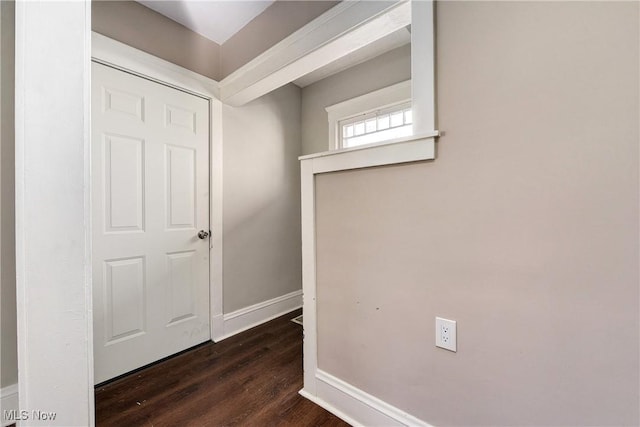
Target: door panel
(124, 183)
(181, 286)
(150, 191)
(180, 191)
(124, 286)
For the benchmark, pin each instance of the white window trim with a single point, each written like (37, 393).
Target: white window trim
(399, 150)
(376, 100)
(344, 400)
(374, 116)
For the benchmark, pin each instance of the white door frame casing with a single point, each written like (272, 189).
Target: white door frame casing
(53, 211)
(118, 55)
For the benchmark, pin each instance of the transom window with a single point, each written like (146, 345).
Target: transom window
(376, 126)
(375, 117)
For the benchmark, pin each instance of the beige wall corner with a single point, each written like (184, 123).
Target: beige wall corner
(131, 23)
(262, 258)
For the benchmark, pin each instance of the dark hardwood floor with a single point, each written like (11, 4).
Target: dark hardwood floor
(251, 379)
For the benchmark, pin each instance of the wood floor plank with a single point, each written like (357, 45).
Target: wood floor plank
(251, 379)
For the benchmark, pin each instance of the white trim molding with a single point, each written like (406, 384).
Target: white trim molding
(357, 407)
(423, 90)
(376, 100)
(8, 402)
(341, 30)
(410, 149)
(118, 55)
(257, 314)
(53, 199)
(401, 150)
(353, 405)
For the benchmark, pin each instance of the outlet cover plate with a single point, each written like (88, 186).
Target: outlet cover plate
(446, 336)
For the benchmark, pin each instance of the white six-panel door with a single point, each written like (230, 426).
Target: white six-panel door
(150, 198)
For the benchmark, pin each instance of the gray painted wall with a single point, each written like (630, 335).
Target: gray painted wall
(524, 229)
(8, 348)
(384, 70)
(262, 252)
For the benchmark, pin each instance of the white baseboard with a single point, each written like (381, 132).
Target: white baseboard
(8, 402)
(246, 318)
(355, 406)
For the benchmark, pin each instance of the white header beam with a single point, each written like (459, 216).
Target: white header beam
(341, 30)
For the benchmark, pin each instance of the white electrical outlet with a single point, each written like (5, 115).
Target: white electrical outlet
(446, 334)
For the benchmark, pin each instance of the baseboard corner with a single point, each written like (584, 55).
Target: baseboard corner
(325, 405)
(248, 317)
(355, 406)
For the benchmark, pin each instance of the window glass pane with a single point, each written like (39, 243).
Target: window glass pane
(383, 122)
(370, 125)
(379, 136)
(408, 119)
(397, 119)
(386, 124)
(349, 131)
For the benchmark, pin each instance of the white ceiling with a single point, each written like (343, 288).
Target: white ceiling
(213, 19)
